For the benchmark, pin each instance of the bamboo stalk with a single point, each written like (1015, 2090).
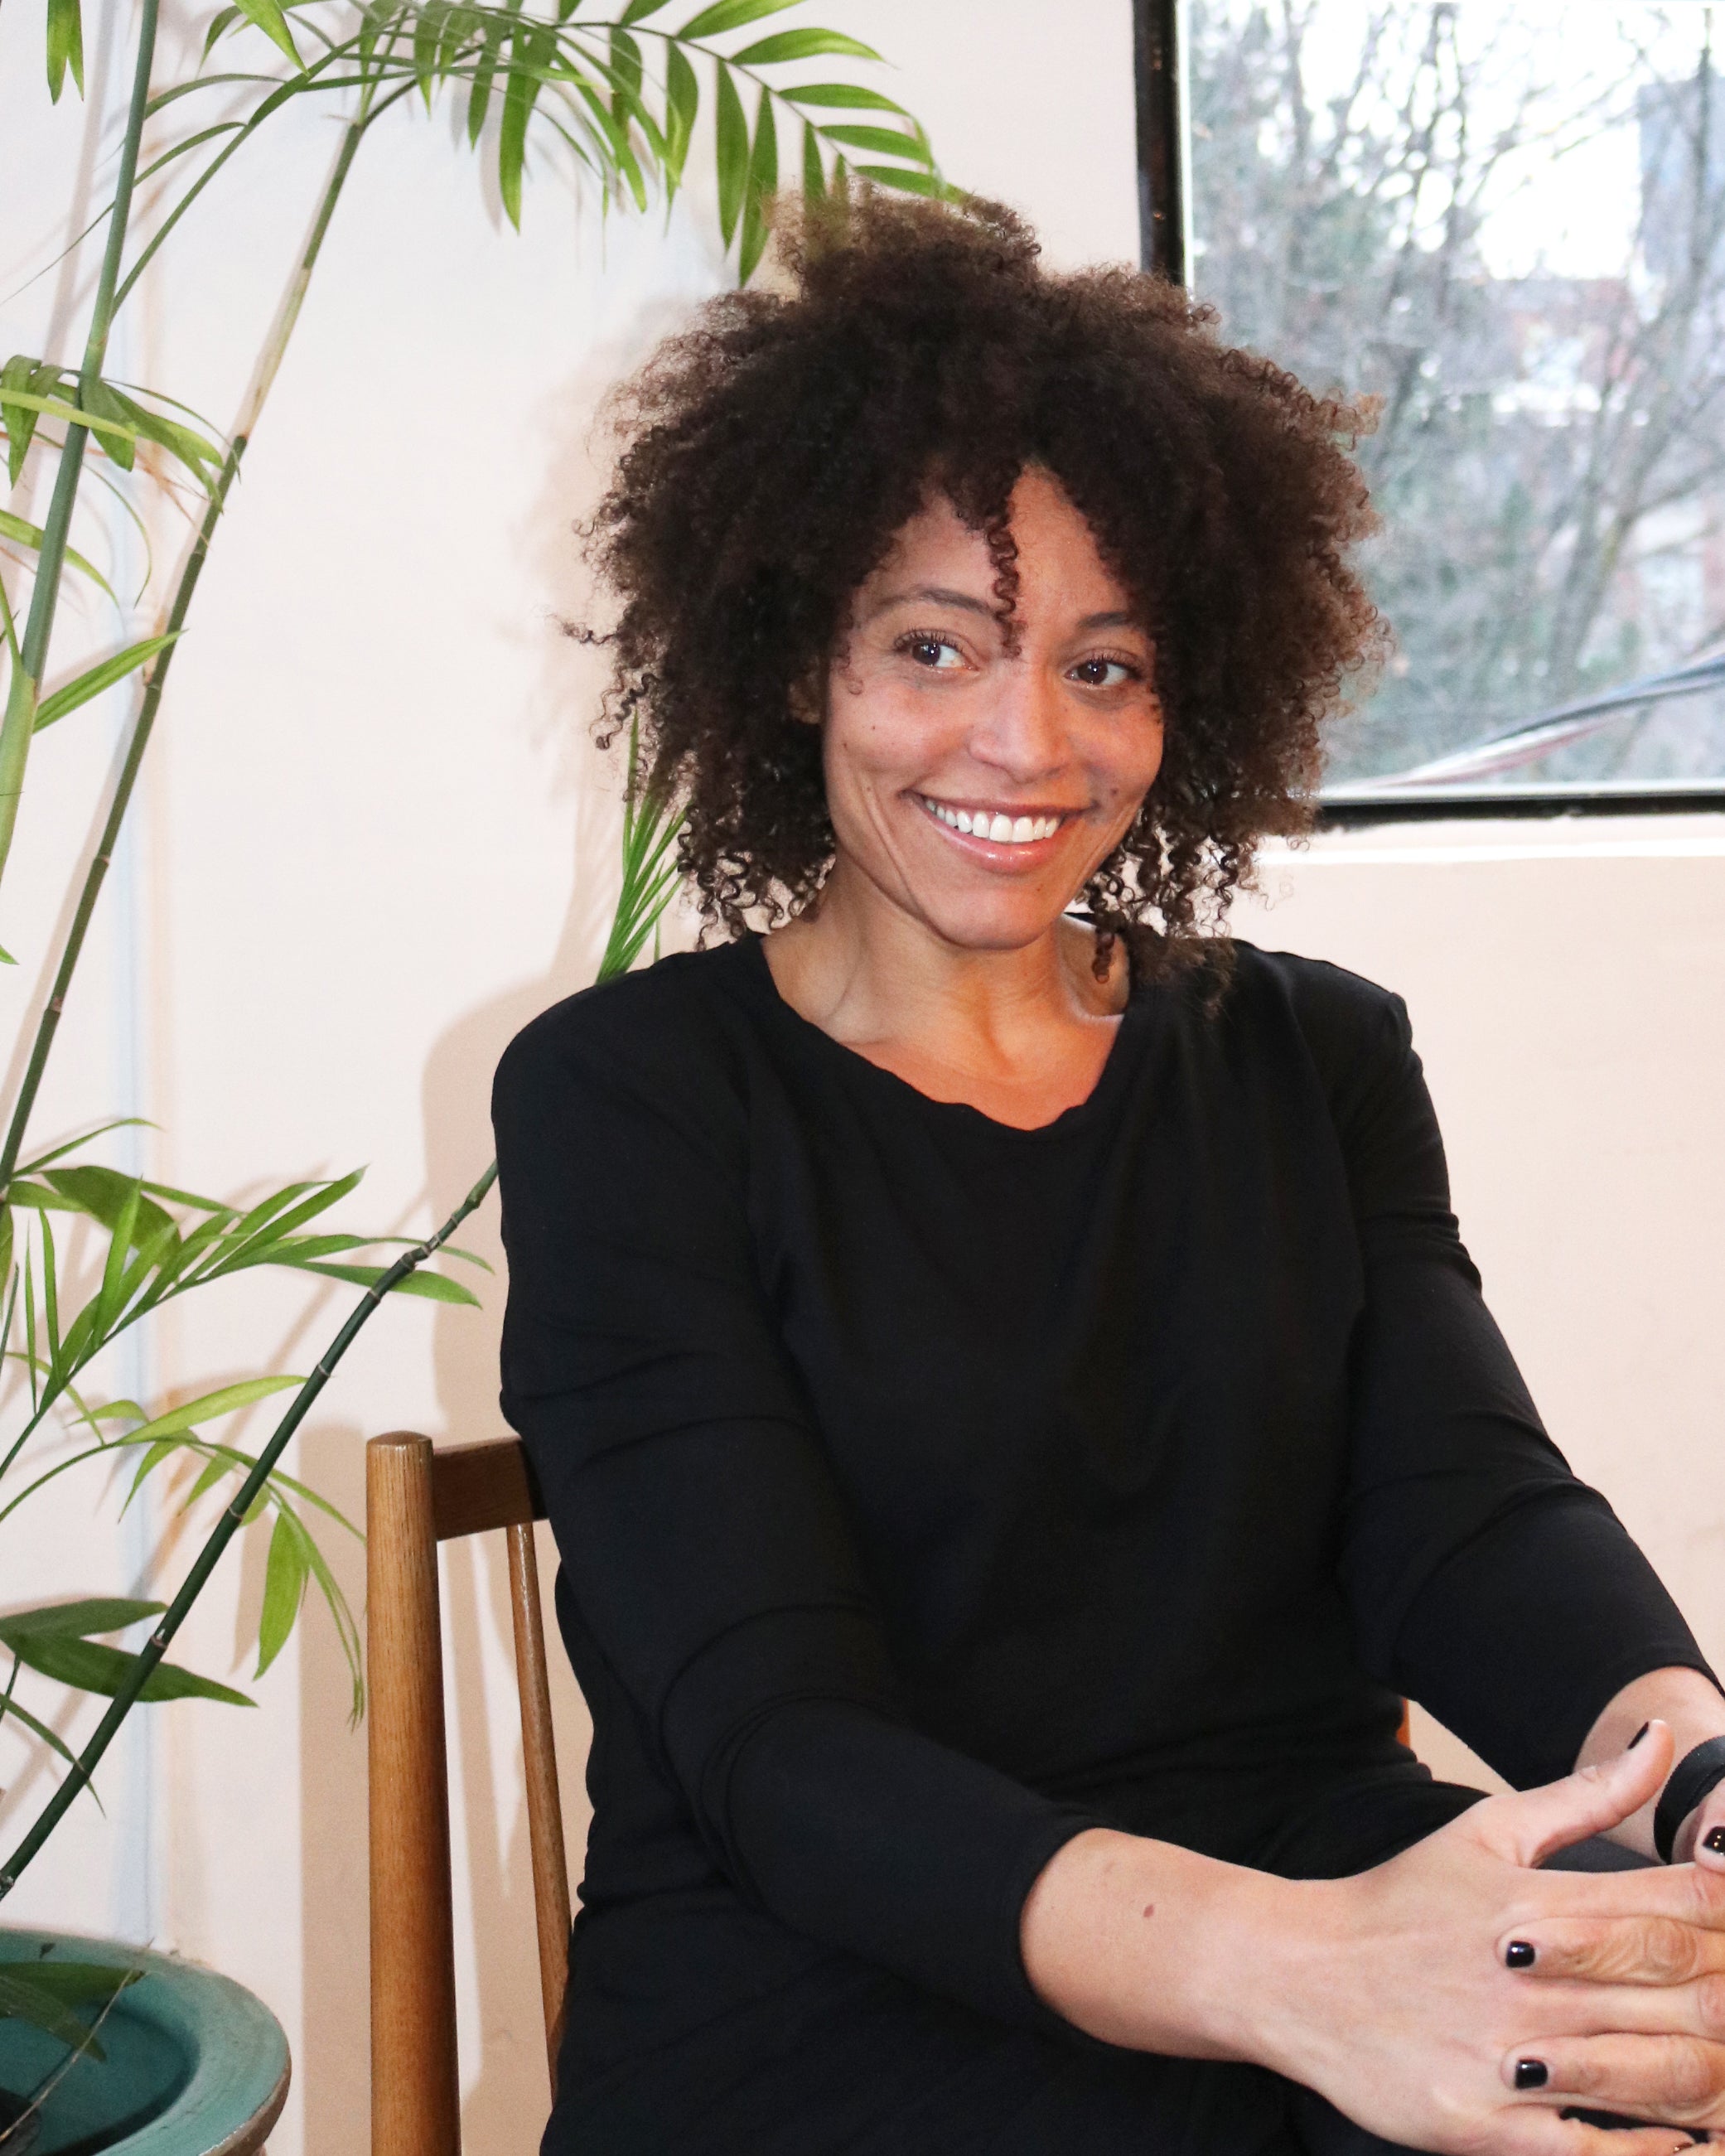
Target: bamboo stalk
(25, 693)
(268, 365)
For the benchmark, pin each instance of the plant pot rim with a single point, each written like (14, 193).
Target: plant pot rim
(238, 2052)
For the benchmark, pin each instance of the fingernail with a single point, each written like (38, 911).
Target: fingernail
(1518, 1954)
(1716, 1841)
(1638, 1736)
(1531, 2073)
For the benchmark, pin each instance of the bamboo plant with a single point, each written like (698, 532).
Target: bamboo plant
(611, 104)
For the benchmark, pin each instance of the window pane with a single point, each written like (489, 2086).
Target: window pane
(1504, 221)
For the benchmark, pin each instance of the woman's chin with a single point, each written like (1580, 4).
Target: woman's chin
(994, 921)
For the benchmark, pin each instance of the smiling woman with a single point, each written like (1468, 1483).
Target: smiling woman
(1015, 1410)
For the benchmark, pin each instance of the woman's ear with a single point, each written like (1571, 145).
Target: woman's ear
(807, 702)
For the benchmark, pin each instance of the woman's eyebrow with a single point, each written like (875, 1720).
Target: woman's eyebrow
(936, 594)
(943, 595)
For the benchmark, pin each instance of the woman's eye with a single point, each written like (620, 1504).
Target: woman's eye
(934, 652)
(1102, 672)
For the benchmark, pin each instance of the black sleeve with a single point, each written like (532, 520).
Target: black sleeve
(1484, 1580)
(700, 1527)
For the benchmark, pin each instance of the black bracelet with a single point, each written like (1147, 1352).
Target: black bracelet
(1695, 1774)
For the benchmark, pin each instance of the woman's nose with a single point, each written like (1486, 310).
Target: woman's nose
(1023, 734)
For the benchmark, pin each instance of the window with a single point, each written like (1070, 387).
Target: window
(1502, 222)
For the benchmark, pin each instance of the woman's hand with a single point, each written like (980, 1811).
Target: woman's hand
(1408, 1996)
(1396, 1993)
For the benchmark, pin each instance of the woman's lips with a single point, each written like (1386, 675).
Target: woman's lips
(1026, 840)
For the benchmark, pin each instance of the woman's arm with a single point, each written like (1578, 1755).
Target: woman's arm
(1392, 1993)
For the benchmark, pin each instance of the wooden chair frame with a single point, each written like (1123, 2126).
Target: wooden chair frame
(417, 1496)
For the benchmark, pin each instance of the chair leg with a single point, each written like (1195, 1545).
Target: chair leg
(415, 2086)
(539, 1760)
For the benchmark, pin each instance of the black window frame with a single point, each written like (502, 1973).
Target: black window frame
(1165, 247)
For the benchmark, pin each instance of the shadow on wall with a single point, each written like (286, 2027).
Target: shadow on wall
(505, 2094)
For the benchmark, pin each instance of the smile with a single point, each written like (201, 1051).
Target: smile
(998, 829)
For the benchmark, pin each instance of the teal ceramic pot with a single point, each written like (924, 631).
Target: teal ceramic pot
(194, 2065)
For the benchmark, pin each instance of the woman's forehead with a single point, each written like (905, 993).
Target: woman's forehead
(939, 557)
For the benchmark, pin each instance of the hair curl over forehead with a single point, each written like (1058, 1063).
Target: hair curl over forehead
(772, 452)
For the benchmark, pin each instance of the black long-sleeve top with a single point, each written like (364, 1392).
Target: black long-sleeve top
(928, 1489)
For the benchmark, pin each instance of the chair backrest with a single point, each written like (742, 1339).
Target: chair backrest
(417, 1496)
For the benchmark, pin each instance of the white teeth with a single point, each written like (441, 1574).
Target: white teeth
(999, 829)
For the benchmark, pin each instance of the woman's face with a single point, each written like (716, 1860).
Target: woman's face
(977, 788)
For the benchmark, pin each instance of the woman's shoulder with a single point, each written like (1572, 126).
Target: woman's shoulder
(670, 1028)
(1348, 1025)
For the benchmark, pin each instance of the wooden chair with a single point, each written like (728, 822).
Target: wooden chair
(416, 1496)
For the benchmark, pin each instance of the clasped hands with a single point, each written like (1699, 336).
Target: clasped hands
(1450, 2003)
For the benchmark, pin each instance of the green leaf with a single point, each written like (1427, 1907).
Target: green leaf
(200, 457)
(802, 45)
(206, 1409)
(521, 87)
(730, 15)
(224, 20)
(627, 73)
(164, 1448)
(733, 153)
(284, 1578)
(50, 1294)
(65, 46)
(479, 97)
(763, 186)
(87, 1667)
(427, 35)
(30, 535)
(88, 1138)
(270, 20)
(109, 1297)
(6, 1242)
(637, 11)
(104, 1193)
(814, 178)
(851, 95)
(20, 2000)
(909, 179)
(891, 140)
(682, 100)
(76, 1620)
(435, 1287)
(103, 676)
(100, 403)
(38, 378)
(55, 1743)
(215, 1470)
(75, 1983)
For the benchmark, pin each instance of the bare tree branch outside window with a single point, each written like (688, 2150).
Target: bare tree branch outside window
(1503, 221)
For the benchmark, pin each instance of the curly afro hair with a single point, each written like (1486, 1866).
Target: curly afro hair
(772, 452)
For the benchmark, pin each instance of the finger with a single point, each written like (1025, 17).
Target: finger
(1679, 2078)
(1709, 1850)
(1526, 1828)
(1531, 2129)
(1684, 1891)
(1579, 2011)
(1634, 1949)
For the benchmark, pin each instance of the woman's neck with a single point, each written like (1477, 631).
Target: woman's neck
(1020, 1034)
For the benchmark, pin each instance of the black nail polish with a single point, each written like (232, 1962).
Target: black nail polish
(1638, 1736)
(1716, 1841)
(1518, 1954)
(1531, 2073)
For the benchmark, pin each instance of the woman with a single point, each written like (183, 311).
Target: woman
(1014, 1406)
